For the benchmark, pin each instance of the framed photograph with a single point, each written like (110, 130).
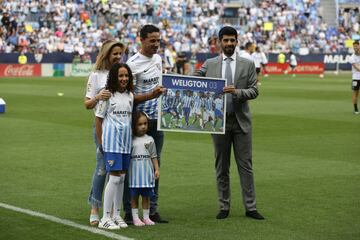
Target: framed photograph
(192, 104)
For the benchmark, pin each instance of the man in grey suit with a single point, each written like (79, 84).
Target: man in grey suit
(241, 87)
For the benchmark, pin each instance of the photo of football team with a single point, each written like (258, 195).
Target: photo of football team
(189, 110)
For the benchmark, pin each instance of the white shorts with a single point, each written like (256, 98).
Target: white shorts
(207, 115)
(197, 111)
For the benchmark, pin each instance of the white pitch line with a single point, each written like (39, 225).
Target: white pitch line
(64, 222)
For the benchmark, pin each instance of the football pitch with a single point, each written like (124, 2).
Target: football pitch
(306, 159)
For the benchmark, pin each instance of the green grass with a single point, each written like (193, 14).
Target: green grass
(306, 163)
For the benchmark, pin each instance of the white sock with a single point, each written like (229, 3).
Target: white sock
(163, 121)
(109, 192)
(135, 213)
(146, 213)
(118, 196)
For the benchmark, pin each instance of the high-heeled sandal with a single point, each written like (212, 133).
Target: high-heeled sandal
(94, 219)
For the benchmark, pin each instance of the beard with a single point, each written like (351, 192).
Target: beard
(229, 50)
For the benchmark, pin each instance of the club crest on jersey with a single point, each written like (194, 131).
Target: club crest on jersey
(158, 65)
(110, 162)
(147, 146)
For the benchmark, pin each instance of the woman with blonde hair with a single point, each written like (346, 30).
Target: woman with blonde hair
(110, 53)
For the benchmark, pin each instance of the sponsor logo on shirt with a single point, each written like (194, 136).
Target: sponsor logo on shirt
(121, 112)
(140, 157)
(152, 80)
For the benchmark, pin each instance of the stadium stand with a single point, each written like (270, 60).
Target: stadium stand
(44, 26)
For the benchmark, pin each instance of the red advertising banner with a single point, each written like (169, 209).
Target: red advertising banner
(310, 68)
(20, 70)
(301, 68)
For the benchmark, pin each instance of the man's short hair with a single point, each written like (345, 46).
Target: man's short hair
(148, 29)
(356, 42)
(227, 31)
(248, 45)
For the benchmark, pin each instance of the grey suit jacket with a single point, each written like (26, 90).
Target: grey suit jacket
(244, 82)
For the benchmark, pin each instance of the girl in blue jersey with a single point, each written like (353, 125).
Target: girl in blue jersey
(113, 130)
(110, 53)
(144, 169)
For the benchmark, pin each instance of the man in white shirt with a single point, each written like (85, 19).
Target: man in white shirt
(146, 66)
(248, 50)
(293, 63)
(260, 60)
(355, 63)
(168, 61)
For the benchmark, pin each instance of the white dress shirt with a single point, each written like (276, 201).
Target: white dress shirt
(232, 65)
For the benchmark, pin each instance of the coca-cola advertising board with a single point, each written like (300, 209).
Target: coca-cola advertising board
(20, 70)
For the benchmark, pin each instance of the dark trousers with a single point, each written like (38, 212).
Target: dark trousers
(242, 144)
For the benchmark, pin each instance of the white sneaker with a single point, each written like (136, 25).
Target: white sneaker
(108, 224)
(120, 222)
(356, 112)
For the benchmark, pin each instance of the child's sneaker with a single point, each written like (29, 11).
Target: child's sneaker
(138, 222)
(120, 222)
(147, 221)
(108, 224)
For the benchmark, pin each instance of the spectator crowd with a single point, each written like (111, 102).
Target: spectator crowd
(79, 26)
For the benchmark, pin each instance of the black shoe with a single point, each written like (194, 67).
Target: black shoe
(222, 214)
(255, 215)
(156, 218)
(128, 219)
